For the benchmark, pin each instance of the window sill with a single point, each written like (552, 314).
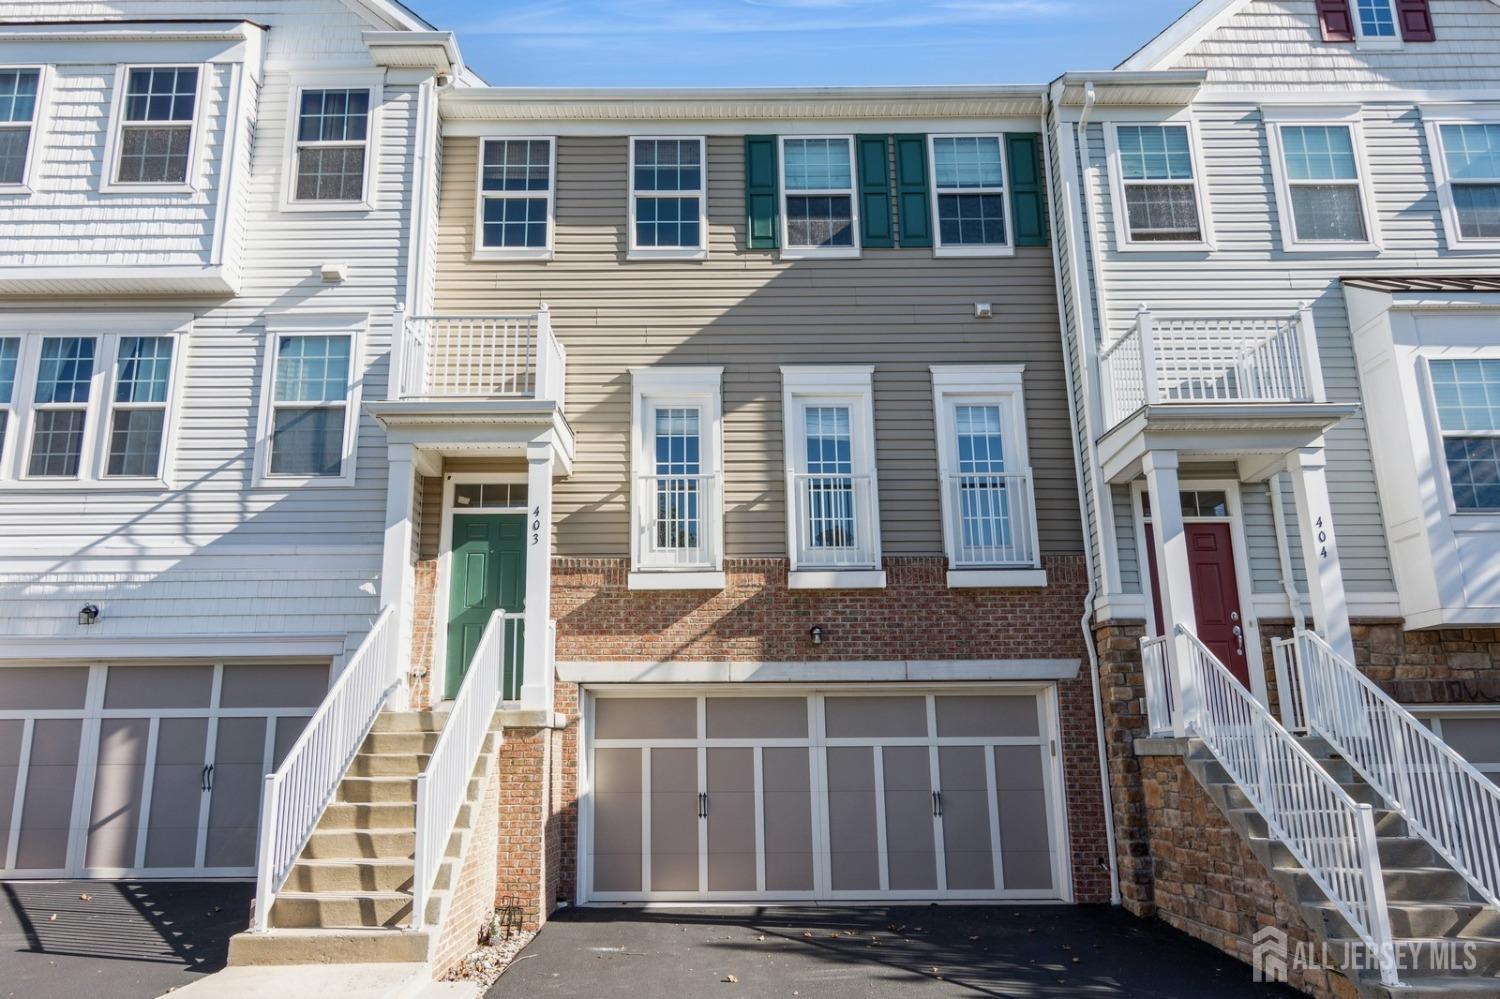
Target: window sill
(1170, 246)
(77, 484)
(538, 255)
(980, 579)
(704, 579)
(836, 579)
(974, 251)
(1475, 522)
(1460, 245)
(327, 206)
(303, 481)
(814, 253)
(147, 189)
(1379, 45)
(15, 190)
(1331, 247)
(667, 254)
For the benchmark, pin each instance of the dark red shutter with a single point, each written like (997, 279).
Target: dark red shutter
(1337, 22)
(1416, 20)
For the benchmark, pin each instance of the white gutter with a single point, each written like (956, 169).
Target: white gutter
(1088, 599)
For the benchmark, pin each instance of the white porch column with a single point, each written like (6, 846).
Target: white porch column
(1174, 580)
(395, 567)
(1320, 550)
(536, 684)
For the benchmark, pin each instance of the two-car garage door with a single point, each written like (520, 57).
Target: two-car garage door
(143, 770)
(800, 795)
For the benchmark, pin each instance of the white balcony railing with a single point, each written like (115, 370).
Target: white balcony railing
(677, 522)
(1211, 361)
(991, 519)
(480, 357)
(293, 798)
(834, 521)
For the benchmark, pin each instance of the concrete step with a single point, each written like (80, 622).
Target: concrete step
(1387, 823)
(410, 721)
(388, 764)
(377, 844)
(1434, 987)
(325, 946)
(399, 742)
(1457, 920)
(352, 875)
(1395, 851)
(1236, 798)
(1215, 773)
(378, 789)
(1402, 884)
(333, 910)
(1422, 957)
(368, 815)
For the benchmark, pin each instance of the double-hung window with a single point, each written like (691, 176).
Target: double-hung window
(19, 96)
(988, 499)
(515, 198)
(60, 406)
(819, 212)
(833, 496)
(677, 495)
(138, 407)
(1324, 196)
(1468, 167)
(311, 412)
(331, 146)
(968, 174)
(10, 355)
(1466, 394)
(154, 143)
(1158, 193)
(667, 198)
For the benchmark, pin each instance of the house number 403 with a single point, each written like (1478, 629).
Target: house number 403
(1322, 537)
(536, 526)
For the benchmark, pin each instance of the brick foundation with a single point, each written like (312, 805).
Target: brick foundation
(522, 854)
(473, 899)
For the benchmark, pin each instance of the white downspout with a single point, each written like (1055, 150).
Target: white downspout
(1088, 600)
(1284, 551)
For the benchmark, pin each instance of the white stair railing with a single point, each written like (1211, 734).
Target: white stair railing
(294, 797)
(1161, 709)
(443, 784)
(1330, 834)
(1443, 798)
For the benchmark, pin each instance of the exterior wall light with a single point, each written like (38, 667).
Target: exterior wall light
(89, 614)
(817, 634)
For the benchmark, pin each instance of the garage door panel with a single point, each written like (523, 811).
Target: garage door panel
(756, 717)
(119, 778)
(47, 811)
(288, 729)
(289, 686)
(130, 687)
(43, 688)
(853, 834)
(234, 801)
(617, 820)
(731, 820)
(911, 854)
(1021, 800)
(968, 849)
(176, 793)
(986, 716)
(788, 818)
(674, 820)
(12, 732)
(646, 718)
(875, 717)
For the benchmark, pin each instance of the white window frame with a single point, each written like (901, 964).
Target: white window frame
(94, 458)
(804, 386)
(1427, 401)
(670, 386)
(999, 385)
(1277, 117)
(1008, 249)
(278, 326)
(789, 252)
(482, 252)
(1375, 43)
(37, 117)
(699, 252)
(108, 184)
(333, 80)
(1125, 241)
(1433, 120)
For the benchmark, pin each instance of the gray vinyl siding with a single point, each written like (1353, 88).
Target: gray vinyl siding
(900, 310)
(1277, 45)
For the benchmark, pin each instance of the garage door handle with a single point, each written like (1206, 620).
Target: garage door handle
(937, 803)
(208, 777)
(702, 805)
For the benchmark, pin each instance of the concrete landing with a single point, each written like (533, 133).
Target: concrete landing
(345, 981)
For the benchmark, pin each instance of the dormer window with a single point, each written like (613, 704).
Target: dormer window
(1377, 19)
(1376, 24)
(154, 142)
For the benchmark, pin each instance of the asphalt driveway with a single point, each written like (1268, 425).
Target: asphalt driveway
(1026, 952)
(127, 939)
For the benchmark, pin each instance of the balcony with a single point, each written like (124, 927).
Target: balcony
(1248, 390)
(478, 385)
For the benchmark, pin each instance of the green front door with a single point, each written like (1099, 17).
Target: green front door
(489, 574)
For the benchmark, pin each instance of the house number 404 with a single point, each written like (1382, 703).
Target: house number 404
(1322, 537)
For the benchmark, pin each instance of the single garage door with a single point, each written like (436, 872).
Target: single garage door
(142, 770)
(811, 795)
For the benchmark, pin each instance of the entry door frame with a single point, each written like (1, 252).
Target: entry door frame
(1050, 738)
(1254, 662)
(438, 670)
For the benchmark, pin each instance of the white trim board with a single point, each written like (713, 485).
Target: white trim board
(117, 648)
(834, 671)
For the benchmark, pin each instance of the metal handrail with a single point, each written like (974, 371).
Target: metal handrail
(672, 510)
(992, 519)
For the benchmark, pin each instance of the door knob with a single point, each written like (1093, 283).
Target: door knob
(1239, 637)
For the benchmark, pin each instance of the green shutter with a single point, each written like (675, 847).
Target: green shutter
(1028, 197)
(913, 198)
(762, 198)
(874, 192)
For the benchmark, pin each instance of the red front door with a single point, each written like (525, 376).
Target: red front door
(1216, 593)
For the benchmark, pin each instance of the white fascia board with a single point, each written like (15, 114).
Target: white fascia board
(820, 671)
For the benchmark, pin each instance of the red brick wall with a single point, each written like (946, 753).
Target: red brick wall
(473, 900)
(521, 848)
(424, 590)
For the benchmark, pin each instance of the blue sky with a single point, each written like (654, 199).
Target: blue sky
(733, 43)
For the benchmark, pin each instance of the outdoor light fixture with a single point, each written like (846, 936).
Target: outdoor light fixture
(89, 614)
(817, 634)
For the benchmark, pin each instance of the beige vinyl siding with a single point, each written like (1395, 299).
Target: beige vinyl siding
(1278, 45)
(900, 310)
